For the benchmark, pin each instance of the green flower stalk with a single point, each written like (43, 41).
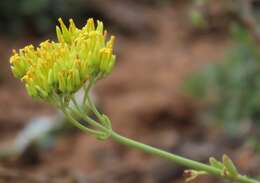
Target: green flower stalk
(55, 71)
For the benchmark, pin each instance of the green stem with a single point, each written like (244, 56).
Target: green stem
(78, 125)
(191, 164)
(94, 109)
(178, 159)
(161, 153)
(86, 91)
(75, 103)
(88, 119)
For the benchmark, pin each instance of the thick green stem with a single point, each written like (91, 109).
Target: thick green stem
(178, 159)
(191, 164)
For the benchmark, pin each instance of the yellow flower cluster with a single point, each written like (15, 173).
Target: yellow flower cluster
(63, 67)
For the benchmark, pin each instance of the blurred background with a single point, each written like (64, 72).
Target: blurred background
(187, 80)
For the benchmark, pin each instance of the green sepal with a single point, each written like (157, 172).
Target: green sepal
(229, 166)
(215, 163)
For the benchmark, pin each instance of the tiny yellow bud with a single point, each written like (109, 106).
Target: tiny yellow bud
(61, 68)
(72, 26)
(65, 31)
(90, 25)
(59, 34)
(111, 42)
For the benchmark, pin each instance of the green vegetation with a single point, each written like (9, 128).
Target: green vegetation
(231, 87)
(35, 16)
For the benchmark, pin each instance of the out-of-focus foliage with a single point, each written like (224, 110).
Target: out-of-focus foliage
(219, 14)
(154, 2)
(36, 16)
(197, 17)
(231, 88)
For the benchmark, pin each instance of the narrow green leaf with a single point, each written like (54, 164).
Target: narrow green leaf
(229, 165)
(215, 163)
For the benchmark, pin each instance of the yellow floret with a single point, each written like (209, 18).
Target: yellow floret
(62, 67)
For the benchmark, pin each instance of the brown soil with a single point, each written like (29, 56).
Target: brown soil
(143, 99)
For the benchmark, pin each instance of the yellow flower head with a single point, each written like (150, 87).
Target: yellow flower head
(62, 67)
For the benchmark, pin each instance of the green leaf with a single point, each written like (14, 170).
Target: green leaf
(230, 167)
(215, 163)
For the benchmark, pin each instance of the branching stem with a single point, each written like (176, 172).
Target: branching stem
(100, 129)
